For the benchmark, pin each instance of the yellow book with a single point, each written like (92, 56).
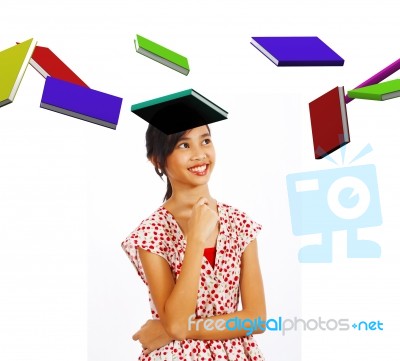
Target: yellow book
(13, 63)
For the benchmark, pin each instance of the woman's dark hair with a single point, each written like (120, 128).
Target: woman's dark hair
(159, 146)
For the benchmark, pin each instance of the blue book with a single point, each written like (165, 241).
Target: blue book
(81, 102)
(297, 51)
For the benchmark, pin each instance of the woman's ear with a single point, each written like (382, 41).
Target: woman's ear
(156, 165)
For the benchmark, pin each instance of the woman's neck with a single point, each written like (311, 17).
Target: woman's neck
(185, 200)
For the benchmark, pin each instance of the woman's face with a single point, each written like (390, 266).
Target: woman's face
(193, 158)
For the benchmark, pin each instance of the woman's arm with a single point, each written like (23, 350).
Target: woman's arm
(175, 302)
(162, 288)
(253, 303)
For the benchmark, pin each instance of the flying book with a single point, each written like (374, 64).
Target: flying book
(13, 63)
(161, 54)
(297, 51)
(375, 79)
(329, 124)
(337, 104)
(49, 64)
(180, 111)
(81, 102)
(381, 91)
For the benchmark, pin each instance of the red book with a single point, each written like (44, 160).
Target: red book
(49, 64)
(329, 124)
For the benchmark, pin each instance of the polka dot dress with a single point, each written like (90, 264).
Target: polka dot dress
(218, 292)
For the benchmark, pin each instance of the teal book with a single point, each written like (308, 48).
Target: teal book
(381, 91)
(161, 54)
(180, 111)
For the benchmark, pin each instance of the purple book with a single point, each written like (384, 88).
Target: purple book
(81, 102)
(297, 51)
(375, 79)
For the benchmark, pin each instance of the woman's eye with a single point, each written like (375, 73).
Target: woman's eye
(183, 145)
(207, 141)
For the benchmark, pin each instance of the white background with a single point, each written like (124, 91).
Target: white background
(71, 191)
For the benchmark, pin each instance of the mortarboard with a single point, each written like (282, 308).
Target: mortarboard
(180, 111)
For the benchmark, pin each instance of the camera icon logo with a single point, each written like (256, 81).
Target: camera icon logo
(325, 201)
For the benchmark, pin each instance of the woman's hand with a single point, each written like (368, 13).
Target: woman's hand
(202, 221)
(152, 336)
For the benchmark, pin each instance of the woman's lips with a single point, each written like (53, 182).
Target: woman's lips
(199, 170)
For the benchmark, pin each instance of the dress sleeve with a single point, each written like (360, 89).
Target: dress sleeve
(247, 229)
(149, 237)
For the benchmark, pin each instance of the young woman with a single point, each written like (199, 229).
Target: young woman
(196, 255)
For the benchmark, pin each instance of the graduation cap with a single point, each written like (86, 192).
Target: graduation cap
(179, 111)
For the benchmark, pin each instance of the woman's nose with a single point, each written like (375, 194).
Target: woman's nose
(199, 156)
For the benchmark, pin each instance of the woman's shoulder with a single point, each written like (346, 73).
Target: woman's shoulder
(240, 224)
(150, 235)
(237, 217)
(156, 217)
(155, 224)
(233, 211)
(157, 220)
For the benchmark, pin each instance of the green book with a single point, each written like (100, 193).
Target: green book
(381, 91)
(13, 63)
(180, 111)
(161, 54)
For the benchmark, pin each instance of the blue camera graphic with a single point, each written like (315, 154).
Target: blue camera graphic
(324, 201)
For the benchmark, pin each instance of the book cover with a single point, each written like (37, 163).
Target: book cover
(329, 123)
(179, 111)
(297, 51)
(81, 102)
(49, 64)
(13, 63)
(378, 77)
(162, 55)
(381, 91)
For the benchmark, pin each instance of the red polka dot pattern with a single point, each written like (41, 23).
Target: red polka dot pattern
(218, 292)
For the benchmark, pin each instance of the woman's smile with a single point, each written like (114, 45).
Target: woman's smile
(200, 170)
